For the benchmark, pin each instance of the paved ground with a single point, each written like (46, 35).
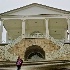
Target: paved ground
(32, 68)
(36, 67)
(39, 66)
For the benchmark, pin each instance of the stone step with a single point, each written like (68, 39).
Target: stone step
(38, 67)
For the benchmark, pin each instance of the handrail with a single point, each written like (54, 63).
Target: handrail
(57, 42)
(15, 41)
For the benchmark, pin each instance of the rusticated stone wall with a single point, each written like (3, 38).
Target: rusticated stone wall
(2, 53)
(47, 45)
(52, 51)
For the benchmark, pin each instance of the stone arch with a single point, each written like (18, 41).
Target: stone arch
(34, 50)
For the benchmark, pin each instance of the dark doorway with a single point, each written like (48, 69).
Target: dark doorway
(34, 52)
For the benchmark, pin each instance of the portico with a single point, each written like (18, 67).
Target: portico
(43, 26)
(40, 26)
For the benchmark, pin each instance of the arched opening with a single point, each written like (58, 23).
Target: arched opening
(35, 53)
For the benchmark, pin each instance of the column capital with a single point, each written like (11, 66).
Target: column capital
(1, 19)
(23, 20)
(47, 19)
(68, 18)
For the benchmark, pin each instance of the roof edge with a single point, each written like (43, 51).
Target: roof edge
(26, 6)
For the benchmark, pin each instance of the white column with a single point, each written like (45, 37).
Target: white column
(68, 20)
(1, 30)
(2, 25)
(66, 37)
(7, 39)
(23, 29)
(47, 30)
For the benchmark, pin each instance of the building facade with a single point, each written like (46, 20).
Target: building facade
(36, 32)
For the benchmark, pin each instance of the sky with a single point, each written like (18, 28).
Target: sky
(6, 5)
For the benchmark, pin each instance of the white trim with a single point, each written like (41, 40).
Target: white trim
(32, 18)
(35, 16)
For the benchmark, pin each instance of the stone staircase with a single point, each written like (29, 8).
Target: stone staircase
(63, 53)
(8, 55)
(2, 53)
(56, 41)
(10, 52)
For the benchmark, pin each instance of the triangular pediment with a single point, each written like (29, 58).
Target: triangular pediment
(35, 9)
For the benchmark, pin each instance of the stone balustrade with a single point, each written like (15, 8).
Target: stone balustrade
(53, 51)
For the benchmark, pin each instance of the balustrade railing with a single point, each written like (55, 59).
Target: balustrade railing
(7, 54)
(35, 36)
(56, 41)
(11, 44)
